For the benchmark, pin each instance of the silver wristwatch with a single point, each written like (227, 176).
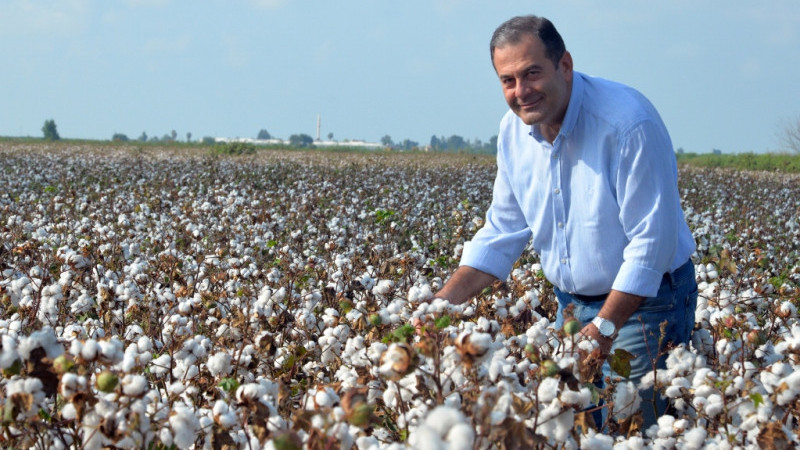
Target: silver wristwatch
(606, 327)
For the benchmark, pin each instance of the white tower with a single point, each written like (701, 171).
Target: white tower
(319, 120)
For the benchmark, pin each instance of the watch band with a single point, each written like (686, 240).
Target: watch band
(606, 327)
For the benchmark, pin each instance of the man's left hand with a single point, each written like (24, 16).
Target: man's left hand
(604, 343)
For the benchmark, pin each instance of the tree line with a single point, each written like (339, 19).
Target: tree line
(790, 140)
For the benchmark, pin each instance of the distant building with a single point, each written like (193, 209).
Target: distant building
(319, 144)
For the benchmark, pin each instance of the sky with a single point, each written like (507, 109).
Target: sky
(723, 74)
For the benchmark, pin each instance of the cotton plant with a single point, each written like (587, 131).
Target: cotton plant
(164, 298)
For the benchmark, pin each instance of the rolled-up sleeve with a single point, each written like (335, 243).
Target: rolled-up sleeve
(504, 235)
(649, 205)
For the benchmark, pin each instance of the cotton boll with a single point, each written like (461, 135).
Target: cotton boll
(72, 384)
(665, 426)
(453, 400)
(419, 293)
(219, 364)
(714, 405)
(626, 400)
(111, 350)
(445, 428)
(548, 390)
(184, 425)
(677, 387)
(473, 346)
(367, 443)
(68, 412)
(579, 399)
(223, 415)
(134, 385)
(383, 287)
(787, 309)
(324, 398)
(9, 353)
(89, 350)
(161, 365)
(44, 338)
(425, 438)
(595, 441)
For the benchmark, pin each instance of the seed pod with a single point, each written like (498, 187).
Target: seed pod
(549, 368)
(63, 363)
(107, 381)
(572, 327)
(356, 408)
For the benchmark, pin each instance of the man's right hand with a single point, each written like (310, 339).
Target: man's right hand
(465, 283)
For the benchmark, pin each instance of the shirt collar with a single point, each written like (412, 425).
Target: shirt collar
(574, 106)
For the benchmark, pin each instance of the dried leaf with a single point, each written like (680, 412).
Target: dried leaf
(591, 366)
(521, 406)
(516, 436)
(772, 436)
(631, 425)
(584, 421)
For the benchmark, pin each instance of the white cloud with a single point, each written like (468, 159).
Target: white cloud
(51, 18)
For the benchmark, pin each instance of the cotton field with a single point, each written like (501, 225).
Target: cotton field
(165, 298)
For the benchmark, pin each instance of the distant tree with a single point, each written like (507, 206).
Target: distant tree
(263, 134)
(493, 144)
(154, 139)
(119, 137)
(408, 144)
(301, 140)
(716, 151)
(330, 136)
(188, 137)
(208, 140)
(142, 137)
(680, 151)
(173, 135)
(387, 141)
(790, 140)
(455, 143)
(435, 145)
(50, 131)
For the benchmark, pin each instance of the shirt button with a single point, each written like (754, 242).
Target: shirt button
(563, 260)
(560, 224)
(556, 191)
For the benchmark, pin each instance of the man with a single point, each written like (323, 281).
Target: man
(585, 168)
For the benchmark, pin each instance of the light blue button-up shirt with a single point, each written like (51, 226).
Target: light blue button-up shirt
(601, 203)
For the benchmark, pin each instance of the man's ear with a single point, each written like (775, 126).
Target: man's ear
(566, 63)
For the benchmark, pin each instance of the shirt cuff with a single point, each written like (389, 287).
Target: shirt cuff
(486, 259)
(637, 280)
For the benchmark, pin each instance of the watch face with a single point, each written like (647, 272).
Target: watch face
(605, 327)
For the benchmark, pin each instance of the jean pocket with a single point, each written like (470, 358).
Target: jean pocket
(658, 303)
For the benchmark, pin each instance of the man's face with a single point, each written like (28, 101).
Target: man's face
(535, 89)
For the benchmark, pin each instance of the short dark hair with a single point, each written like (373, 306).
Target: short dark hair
(513, 30)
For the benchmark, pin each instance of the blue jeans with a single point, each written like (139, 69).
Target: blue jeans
(674, 304)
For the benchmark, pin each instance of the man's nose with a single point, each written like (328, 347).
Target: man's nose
(521, 89)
